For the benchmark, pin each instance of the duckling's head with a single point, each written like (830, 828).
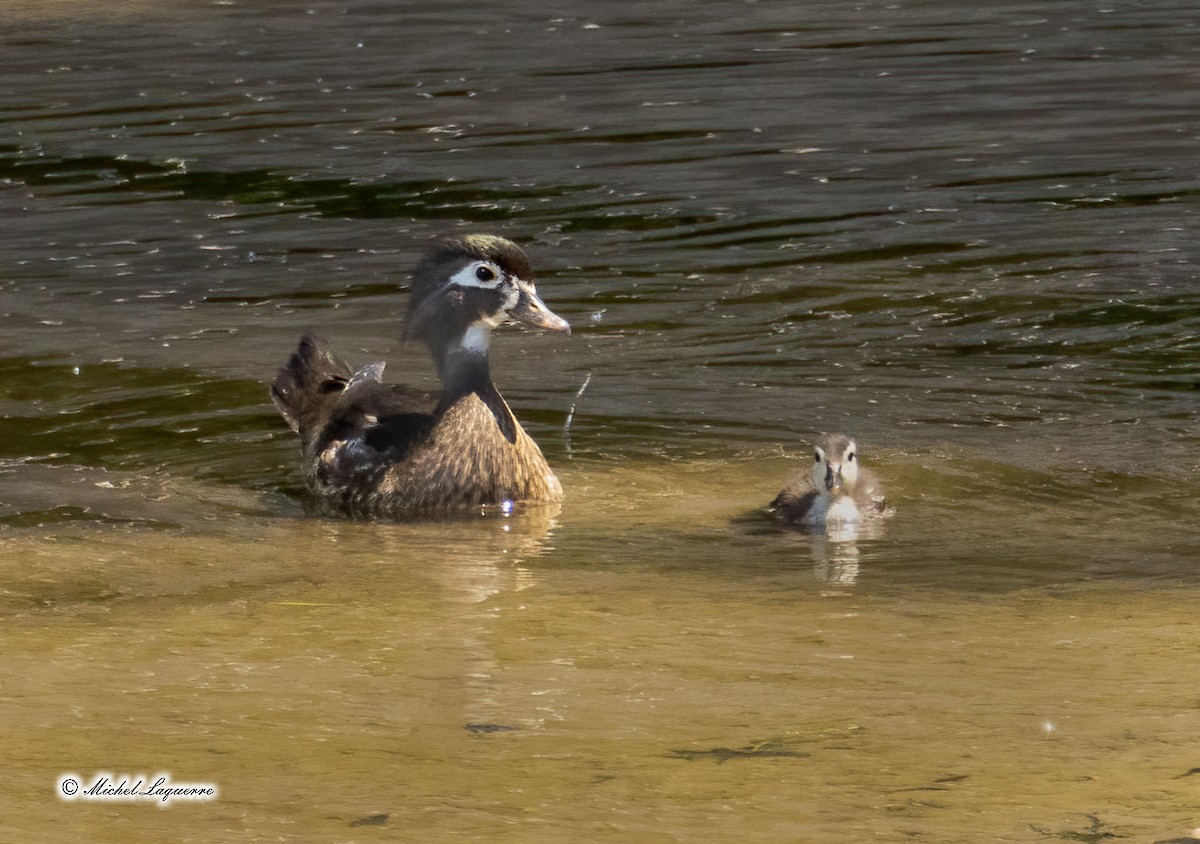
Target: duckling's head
(468, 286)
(835, 466)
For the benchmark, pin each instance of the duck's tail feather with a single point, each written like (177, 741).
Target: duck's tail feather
(311, 381)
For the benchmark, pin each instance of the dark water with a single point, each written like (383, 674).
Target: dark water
(965, 235)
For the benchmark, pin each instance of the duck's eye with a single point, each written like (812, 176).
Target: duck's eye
(485, 273)
(816, 457)
(850, 457)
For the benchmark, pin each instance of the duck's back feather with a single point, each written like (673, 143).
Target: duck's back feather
(309, 384)
(372, 449)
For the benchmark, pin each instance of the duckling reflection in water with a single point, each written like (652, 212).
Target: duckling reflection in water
(836, 494)
(373, 450)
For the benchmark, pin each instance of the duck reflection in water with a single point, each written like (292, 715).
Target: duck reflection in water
(837, 501)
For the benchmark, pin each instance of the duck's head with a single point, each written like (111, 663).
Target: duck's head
(835, 465)
(468, 286)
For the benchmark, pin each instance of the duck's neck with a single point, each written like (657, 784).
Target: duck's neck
(465, 370)
(463, 373)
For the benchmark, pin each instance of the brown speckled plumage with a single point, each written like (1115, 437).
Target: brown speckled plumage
(372, 450)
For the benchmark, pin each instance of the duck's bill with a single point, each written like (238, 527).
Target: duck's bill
(833, 482)
(532, 311)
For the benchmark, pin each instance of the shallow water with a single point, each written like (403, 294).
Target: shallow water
(966, 237)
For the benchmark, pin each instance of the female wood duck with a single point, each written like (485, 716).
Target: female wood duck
(371, 450)
(836, 492)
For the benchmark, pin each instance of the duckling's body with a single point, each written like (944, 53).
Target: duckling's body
(837, 491)
(379, 451)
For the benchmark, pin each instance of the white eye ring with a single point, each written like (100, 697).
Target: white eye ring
(482, 274)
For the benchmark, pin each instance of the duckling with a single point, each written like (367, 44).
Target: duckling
(837, 491)
(377, 451)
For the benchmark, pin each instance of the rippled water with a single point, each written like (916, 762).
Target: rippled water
(966, 236)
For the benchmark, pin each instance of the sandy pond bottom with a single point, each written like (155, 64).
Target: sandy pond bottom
(648, 664)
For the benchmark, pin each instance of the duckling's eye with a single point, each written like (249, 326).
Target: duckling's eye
(485, 273)
(816, 457)
(850, 457)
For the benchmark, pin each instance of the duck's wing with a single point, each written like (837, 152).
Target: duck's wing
(370, 372)
(869, 495)
(385, 421)
(328, 404)
(795, 499)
